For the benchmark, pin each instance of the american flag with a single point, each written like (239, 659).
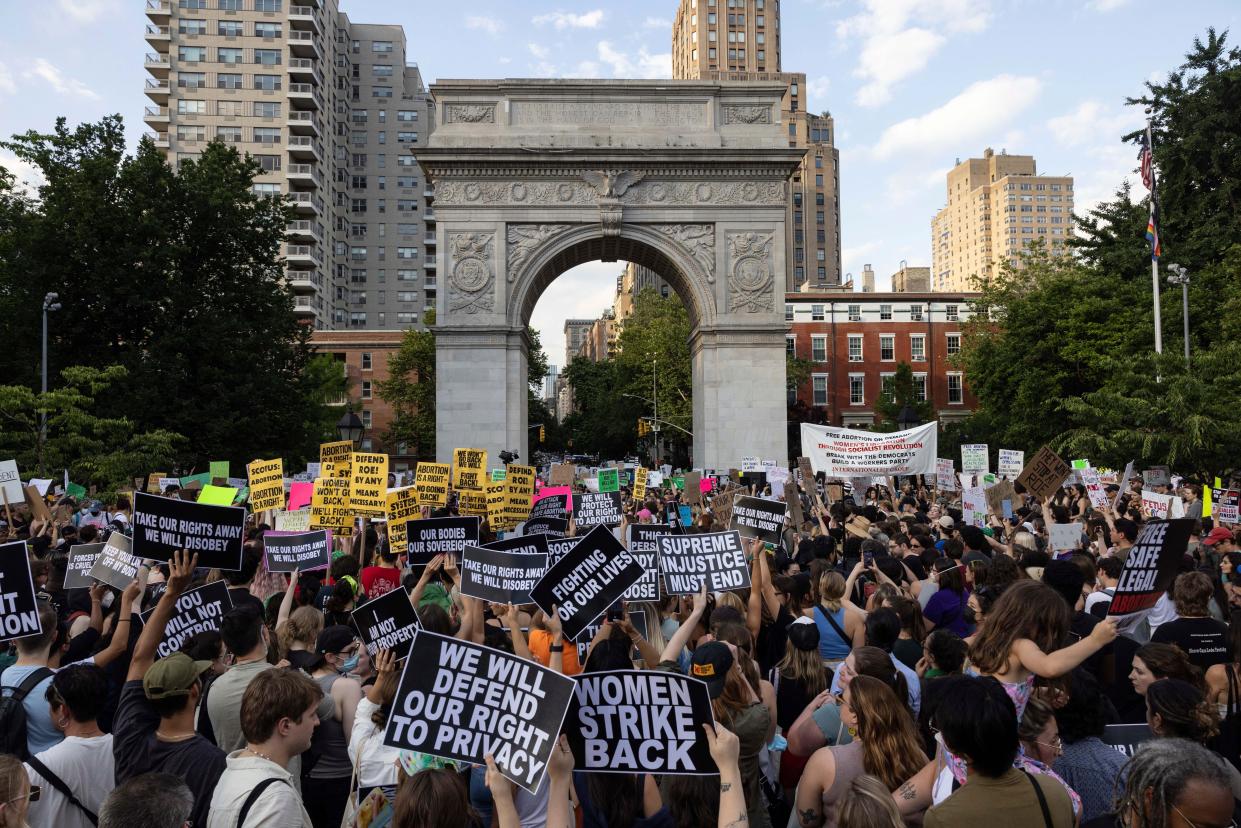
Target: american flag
(1146, 162)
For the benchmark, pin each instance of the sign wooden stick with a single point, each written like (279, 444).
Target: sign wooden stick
(7, 514)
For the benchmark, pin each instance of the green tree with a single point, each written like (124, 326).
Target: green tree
(653, 358)
(898, 394)
(410, 390)
(603, 421)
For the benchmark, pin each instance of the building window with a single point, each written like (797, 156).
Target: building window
(191, 54)
(855, 347)
(188, 133)
(267, 5)
(228, 55)
(357, 253)
(366, 360)
(407, 137)
(855, 313)
(887, 347)
(269, 83)
(886, 382)
(818, 389)
(267, 57)
(366, 389)
(956, 391)
(788, 313)
(407, 252)
(407, 275)
(818, 348)
(406, 115)
(954, 344)
(267, 30)
(857, 389)
(790, 345)
(267, 135)
(885, 312)
(228, 5)
(951, 314)
(228, 134)
(266, 190)
(917, 347)
(920, 387)
(190, 26)
(381, 91)
(227, 80)
(192, 4)
(381, 46)
(187, 107)
(266, 109)
(915, 313)
(816, 313)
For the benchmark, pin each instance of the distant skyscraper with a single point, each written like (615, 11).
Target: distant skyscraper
(997, 205)
(575, 333)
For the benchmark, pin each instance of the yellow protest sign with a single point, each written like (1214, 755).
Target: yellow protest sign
(402, 506)
(153, 482)
(472, 504)
(266, 484)
(639, 483)
(334, 470)
(497, 499)
(469, 469)
(335, 456)
(431, 480)
(368, 483)
(519, 492)
(329, 505)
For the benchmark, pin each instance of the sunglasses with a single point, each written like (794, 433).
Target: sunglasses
(32, 795)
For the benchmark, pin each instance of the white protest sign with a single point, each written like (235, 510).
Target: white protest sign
(974, 506)
(844, 452)
(1011, 463)
(751, 464)
(1064, 536)
(1155, 504)
(945, 476)
(1094, 488)
(11, 482)
(975, 457)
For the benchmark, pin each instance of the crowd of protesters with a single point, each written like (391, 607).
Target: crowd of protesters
(889, 665)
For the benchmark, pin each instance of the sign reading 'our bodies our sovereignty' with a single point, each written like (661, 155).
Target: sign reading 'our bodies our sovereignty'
(163, 525)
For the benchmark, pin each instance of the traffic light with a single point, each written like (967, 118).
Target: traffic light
(542, 434)
(643, 427)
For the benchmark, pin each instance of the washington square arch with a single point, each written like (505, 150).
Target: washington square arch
(534, 177)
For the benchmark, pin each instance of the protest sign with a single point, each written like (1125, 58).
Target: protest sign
(840, 452)
(11, 482)
(755, 517)
(298, 521)
(1157, 476)
(219, 469)
(552, 527)
(368, 483)
(338, 470)
(793, 499)
(473, 504)
(497, 496)
(609, 480)
(1094, 488)
(329, 507)
(114, 565)
(266, 480)
(197, 610)
(999, 493)
(975, 457)
(754, 480)
(722, 507)
(303, 551)
(439, 536)
(1043, 475)
(1126, 738)
(166, 483)
(1227, 505)
(500, 577)
(1064, 536)
(153, 482)
(643, 545)
(552, 503)
(588, 580)
(518, 495)
(1124, 485)
(387, 623)
(300, 494)
(220, 496)
(640, 721)
(19, 608)
(685, 561)
(1156, 505)
(337, 452)
(498, 475)
(636, 617)
(1152, 564)
(38, 506)
(431, 481)
(777, 478)
(563, 474)
(693, 487)
(313, 470)
(974, 506)
(469, 469)
(81, 559)
(1011, 463)
(557, 548)
(524, 545)
(163, 525)
(597, 509)
(462, 701)
(400, 506)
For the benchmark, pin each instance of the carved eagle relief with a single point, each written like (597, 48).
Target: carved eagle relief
(612, 183)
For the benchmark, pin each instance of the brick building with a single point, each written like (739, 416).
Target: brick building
(856, 340)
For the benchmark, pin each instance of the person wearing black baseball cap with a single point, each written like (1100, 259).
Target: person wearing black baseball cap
(326, 785)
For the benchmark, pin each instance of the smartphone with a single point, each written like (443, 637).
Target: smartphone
(616, 612)
(868, 558)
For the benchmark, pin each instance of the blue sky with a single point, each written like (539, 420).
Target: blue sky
(912, 84)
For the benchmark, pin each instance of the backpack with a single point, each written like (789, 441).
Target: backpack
(13, 714)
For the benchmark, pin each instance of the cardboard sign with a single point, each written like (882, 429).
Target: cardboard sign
(500, 577)
(644, 546)
(722, 507)
(19, 608)
(1157, 476)
(162, 526)
(439, 536)
(999, 493)
(114, 565)
(1150, 568)
(469, 469)
(685, 561)
(562, 474)
(400, 506)
(298, 521)
(975, 457)
(597, 509)
(461, 701)
(1064, 536)
(368, 483)
(588, 580)
(693, 487)
(552, 527)
(841, 452)
(1043, 475)
(387, 623)
(756, 517)
(1011, 463)
(81, 560)
(1155, 504)
(197, 610)
(304, 551)
(640, 721)
(329, 506)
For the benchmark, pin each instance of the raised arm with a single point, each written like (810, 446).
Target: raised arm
(180, 570)
(672, 651)
(120, 633)
(725, 750)
(754, 607)
(1060, 662)
(430, 569)
(286, 603)
(509, 618)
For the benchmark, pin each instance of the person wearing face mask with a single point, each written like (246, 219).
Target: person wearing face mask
(326, 769)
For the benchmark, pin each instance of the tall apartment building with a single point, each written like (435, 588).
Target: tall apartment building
(740, 40)
(575, 333)
(996, 205)
(332, 111)
(634, 279)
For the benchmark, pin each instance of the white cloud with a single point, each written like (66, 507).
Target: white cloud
(976, 114)
(54, 78)
(8, 86)
(816, 93)
(504, 60)
(539, 51)
(582, 292)
(1108, 5)
(644, 65)
(1092, 122)
(899, 38)
(490, 25)
(853, 258)
(87, 11)
(28, 176)
(568, 20)
(657, 23)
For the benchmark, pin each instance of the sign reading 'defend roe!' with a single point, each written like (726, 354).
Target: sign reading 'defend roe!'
(163, 526)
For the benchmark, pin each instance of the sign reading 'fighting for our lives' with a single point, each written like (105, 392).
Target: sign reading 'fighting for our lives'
(464, 701)
(387, 623)
(163, 526)
(718, 558)
(844, 452)
(587, 580)
(197, 610)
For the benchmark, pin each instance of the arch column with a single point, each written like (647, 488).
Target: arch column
(480, 391)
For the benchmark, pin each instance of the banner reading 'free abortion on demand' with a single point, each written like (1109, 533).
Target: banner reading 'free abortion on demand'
(844, 452)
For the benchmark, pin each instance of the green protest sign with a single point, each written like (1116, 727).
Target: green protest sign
(74, 490)
(219, 470)
(609, 480)
(203, 479)
(498, 475)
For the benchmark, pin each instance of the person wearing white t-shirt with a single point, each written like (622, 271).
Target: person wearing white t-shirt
(77, 773)
(1107, 575)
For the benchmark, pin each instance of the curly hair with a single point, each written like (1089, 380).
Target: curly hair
(1026, 609)
(1183, 710)
(1161, 770)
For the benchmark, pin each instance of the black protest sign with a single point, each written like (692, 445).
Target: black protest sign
(757, 479)
(81, 558)
(588, 580)
(557, 548)
(550, 526)
(197, 610)
(19, 609)
(1125, 738)
(1151, 566)
(500, 577)
(636, 617)
(755, 517)
(643, 546)
(640, 721)
(163, 526)
(522, 544)
(685, 561)
(115, 566)
(552, 506)
(387, 623)
(439, 536)
(303, 551)
(597, 509)
(462, 701)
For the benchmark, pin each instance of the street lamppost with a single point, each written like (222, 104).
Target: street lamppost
(350, 428)
(1180, 276)
(51, 304)
(907, 418)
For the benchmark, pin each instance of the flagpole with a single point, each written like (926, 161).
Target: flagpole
(1147, 162)
(1158, 322)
